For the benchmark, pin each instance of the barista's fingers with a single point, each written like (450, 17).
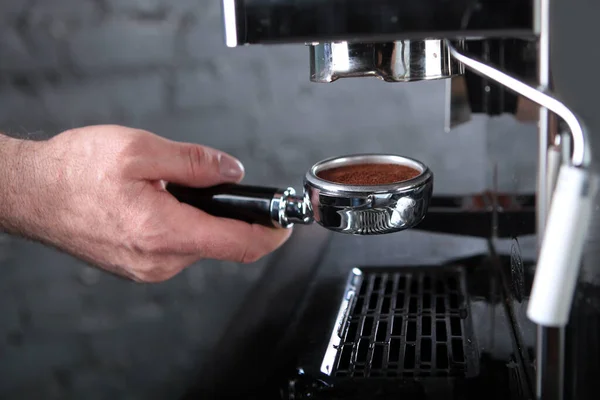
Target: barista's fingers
(192, 165)
(231, 240)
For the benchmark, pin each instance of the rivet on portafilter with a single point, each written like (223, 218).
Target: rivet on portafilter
(364, 194)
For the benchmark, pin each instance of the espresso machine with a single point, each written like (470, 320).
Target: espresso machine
(430, 331)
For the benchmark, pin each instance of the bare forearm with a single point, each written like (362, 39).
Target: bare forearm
(94, 193)
(21, 178)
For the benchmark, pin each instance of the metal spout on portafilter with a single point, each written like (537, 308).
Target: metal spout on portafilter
(398, 61)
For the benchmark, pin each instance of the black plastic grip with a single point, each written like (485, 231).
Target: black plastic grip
(250, 204)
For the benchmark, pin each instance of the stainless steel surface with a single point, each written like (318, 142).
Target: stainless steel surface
(288, 209)
(230, 21)
(293, 209)
(544, 121)
(550, 345)
(369, 210)
(400, 322)
(549, 373)
(458, 109)
(355, 209)
(550, 352)
(399, 61)
(552, 169)
(581, 156)
(350, 291)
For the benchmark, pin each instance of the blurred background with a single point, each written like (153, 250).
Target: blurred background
(70, 331)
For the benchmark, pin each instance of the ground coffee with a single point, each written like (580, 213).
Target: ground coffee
(368, 174)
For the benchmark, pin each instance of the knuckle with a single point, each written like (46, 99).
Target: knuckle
(127, 149)
(198, 158)
(151, 245)
(152, 252)
(143, 244)
(154, 270)
(146, 237)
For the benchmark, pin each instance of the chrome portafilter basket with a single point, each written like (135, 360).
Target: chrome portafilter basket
(344, 208)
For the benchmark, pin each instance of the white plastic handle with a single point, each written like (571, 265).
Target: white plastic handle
(562, 246)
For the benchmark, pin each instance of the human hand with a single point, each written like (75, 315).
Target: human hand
(99, 194)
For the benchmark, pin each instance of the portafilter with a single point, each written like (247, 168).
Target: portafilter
(347, 208)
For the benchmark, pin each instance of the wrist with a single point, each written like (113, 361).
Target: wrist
(20, 181)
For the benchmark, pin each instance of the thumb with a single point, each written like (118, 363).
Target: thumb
(196, 166)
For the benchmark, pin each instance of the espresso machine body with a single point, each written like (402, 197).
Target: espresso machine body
(327, 325)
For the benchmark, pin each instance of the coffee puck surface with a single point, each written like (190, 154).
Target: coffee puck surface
(371, 174)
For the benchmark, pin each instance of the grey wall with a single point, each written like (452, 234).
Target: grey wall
(69, 331)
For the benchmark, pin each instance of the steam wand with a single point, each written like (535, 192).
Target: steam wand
(570, 210)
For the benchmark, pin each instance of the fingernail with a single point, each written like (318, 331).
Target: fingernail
(230, 167)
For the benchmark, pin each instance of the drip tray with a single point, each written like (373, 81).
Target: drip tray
(402, 323)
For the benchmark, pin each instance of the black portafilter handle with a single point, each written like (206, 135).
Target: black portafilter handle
(267, 206)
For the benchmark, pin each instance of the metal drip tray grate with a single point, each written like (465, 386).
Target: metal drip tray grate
(405, 324)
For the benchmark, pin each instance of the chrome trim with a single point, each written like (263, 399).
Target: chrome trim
(399, 61)
(546, 121)
(288, 209)
(277, 208)
(352, 286)
(230, 23)
(356, 159)
(354, 209)
(581, 152)
(549, 374)
(457, 107)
